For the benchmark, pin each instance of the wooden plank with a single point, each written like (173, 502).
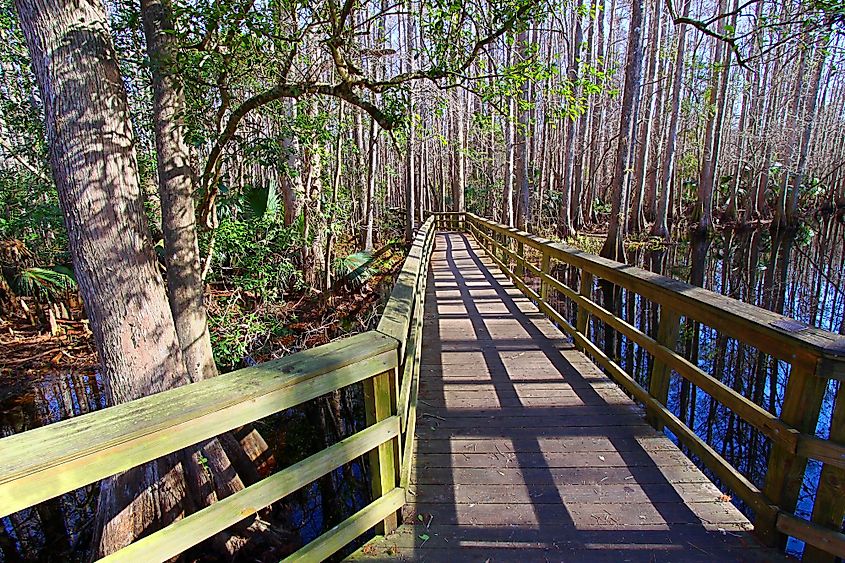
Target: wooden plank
(539, 494)
(395, 321)
(379, 404)
(51, 460)
(681, 543)
(193, 529)
(802, 402)
(829, 504)
(356, 525)
(589, 515)
(526, 476)
(668, 329)
(586, 291)
(825, 539)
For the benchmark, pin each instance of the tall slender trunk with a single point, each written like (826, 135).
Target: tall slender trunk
(781, 220)
(338, 169)
(370, 193)
(811, 99)
(523, 162)
(176, 187)
(644, 155)
(510, 154)
(567, 201)
(458, 178)
(703, 213)
(660, 228)
(410, 168)
(613, 247)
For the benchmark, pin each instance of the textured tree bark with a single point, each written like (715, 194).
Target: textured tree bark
(176, 187)
(92, 155)
(93, 160)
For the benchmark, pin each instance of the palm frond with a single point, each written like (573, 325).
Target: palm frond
(45, 281)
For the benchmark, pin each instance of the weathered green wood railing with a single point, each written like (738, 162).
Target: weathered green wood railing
(43, 463)
(816, 356)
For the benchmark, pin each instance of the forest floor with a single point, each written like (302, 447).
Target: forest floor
(34, 347)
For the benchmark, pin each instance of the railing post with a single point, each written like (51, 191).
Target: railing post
(829, 505)
(380, 403)
(802, 401)
(520, 262)
(545, 266)
(668, 329)
(585, 290)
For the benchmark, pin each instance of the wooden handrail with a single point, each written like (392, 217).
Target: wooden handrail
(767, 331)
(815, 355)
(46, 462)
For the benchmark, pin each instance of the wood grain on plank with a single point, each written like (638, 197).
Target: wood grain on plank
(525, 448)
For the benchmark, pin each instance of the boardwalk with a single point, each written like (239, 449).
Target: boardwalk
(527, 452)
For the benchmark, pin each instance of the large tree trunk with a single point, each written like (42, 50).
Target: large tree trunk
(613, 247)
(185, 288)
(92, 155)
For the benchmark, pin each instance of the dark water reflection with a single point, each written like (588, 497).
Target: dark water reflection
(800, 276)
(53, 530)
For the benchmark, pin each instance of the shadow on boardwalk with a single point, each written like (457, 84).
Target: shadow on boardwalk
(526, 451)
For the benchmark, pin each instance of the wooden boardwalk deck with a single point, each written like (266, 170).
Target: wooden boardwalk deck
(526, 451)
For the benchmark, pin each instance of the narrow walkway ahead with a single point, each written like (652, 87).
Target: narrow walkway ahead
(527, 452)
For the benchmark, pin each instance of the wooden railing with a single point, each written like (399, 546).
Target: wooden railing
(46, 462)
(816, 356)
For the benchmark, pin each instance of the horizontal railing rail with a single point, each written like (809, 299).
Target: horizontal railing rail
(816, 356)
(52, 460)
